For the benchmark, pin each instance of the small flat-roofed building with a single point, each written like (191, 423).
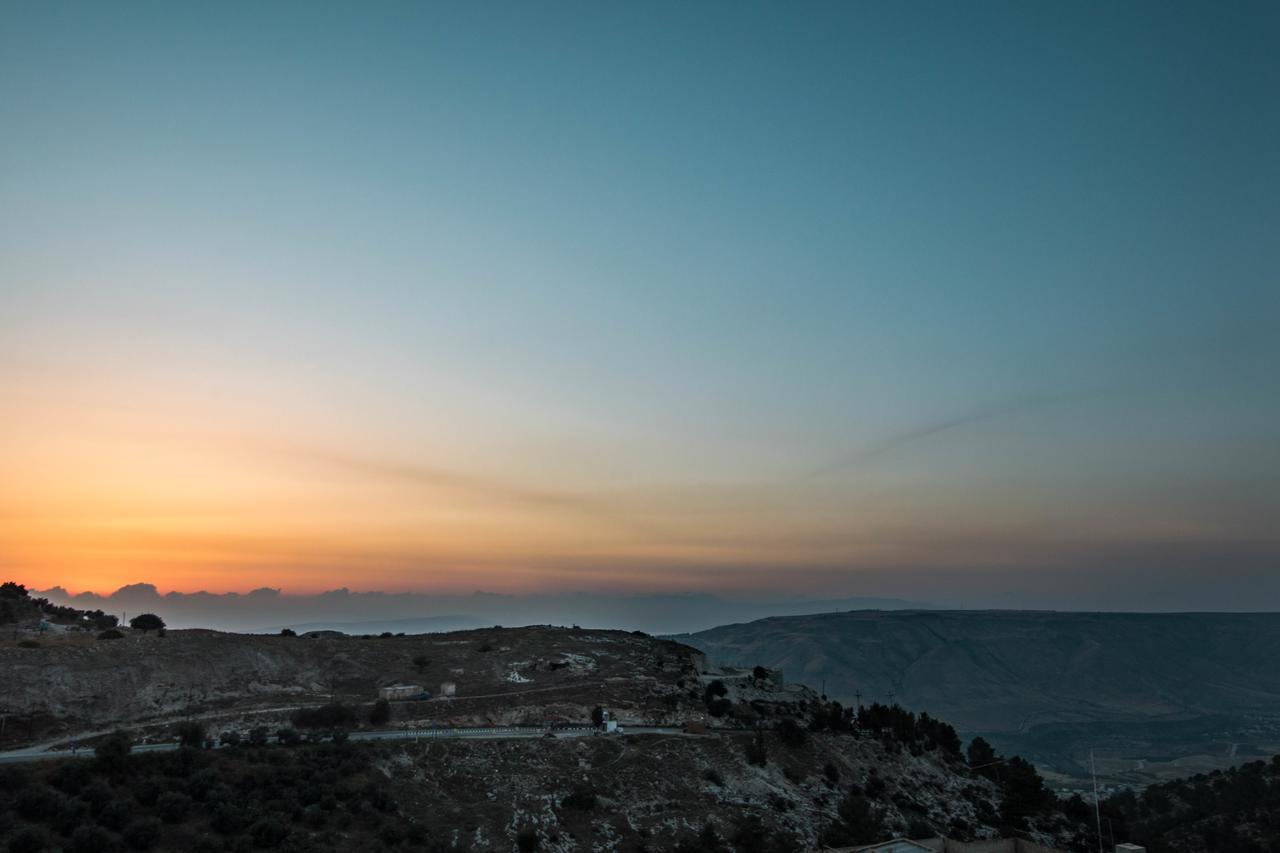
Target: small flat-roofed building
(393, 692)
(448, 688)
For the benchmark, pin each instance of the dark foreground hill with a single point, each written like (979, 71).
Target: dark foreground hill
(1156, 695)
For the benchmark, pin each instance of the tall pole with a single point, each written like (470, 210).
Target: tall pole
(1097, 807)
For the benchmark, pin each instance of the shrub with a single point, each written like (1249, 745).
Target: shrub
(114, 814)
(38, 803)
(380, 713)
(29, 840)
(173, 806)
(325, 717)
(90, 839)
(756, 752)
(288, 737)
(28, 644)
(791, 735)
(713, 776)
(111, 634)
(143, 833)
(190, 734)
(146, 622)
(230, 738)
(831, 772)
(581, 798)
(268, 832)
(71, 814)
(527, 840)
(258, 736)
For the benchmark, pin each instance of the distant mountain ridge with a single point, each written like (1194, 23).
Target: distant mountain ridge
(1046, 684)
(267, 608)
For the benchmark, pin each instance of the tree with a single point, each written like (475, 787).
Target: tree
(12, 591)
(190, 734)
(759, 673)
(380, 714)
(980, 752)
(111, 755)
(288, 737)
(29, 840)
(288, 632)
(857, 824)
(790, 733)
(142, 834)
(111, 634)
(146, 622)
(230, 738)
(421, 662)
(597, 716)
(527, 840)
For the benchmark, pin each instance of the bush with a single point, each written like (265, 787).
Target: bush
(791, 735)
(288, 737)
(258, 736)
(713, 776)
(29, 840)
(230, 738)
(114, 814)
(288, 632)
(831, 772)
(527, 840)
(143, 833)
(756, 752)
(173, 806)
(268, 833)
(582, 799)
(380, 714)
(38, 803)
(329, 716)
(111, 634)
(28, 644)
(146, 622)
(90, 839)
(190, 734)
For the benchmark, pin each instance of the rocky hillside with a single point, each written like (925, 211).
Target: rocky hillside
(1152, 693)
(771, 789)
(62, 683)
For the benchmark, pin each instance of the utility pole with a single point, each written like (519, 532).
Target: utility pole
(1097, 807)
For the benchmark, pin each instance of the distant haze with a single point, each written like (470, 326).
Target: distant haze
(375, 612)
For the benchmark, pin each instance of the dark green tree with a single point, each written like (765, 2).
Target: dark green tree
(146, 622)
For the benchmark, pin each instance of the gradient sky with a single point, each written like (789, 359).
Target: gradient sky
(861, 298)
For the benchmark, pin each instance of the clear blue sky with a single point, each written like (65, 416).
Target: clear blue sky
(968, 298)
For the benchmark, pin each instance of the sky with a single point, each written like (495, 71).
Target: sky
(954, 302)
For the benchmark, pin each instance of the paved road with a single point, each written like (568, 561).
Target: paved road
(39, 753)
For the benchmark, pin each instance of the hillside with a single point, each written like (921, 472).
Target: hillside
(1157, 695)
(64, 683)
(286, 748)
